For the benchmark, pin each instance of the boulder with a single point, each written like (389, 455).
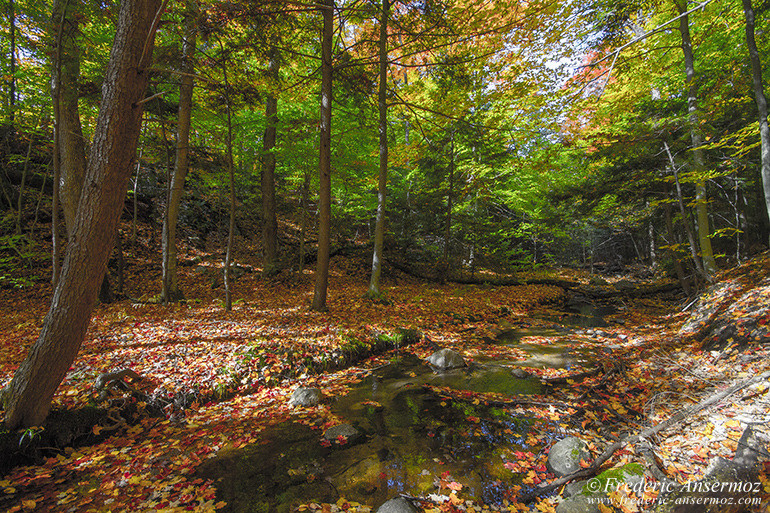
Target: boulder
(564, 457)
(305, 397)
(397, 505)
(445, 359)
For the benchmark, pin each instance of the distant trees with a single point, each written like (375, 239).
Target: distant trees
(170, 287)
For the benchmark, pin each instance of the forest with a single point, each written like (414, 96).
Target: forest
(384, 255)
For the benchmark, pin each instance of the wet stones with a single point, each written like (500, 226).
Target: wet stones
(445, 359)
(564, 457)
(343, 434)
(303, 396)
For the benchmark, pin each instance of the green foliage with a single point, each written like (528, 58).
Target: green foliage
(18, 255)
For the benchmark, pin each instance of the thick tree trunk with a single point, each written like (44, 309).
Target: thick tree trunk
(170, 291)
(72, 147)
(699, 161)
(324, 160)
(269, 219)
(759, 95)
(379, 227)
(28, 396)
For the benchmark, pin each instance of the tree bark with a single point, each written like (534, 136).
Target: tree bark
(303, 221)
(72, 147)
(382, 184)
(759, 96)
(170, 291)
(28, 397)
(324, 159)
(12, 57)
(681, 276)
(269, 219)
(450, 197)
(699, 161)
(231, 179)
(685, 220)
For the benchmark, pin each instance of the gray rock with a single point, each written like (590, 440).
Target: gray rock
(445, 359)
(578, 504)
(713, 493)
(305, 397)
(397, 505)
(750, 448)
(520, 373)
(347, 431)
(574, 488)
(564, 457)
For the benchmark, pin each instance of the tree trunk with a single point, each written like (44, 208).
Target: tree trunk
(450, 195)
(379, 227)
(759, 96)
(324, 160)
(28, 397)
(303, 222)
(685, 219)
(681, 276)
(55, 203)
(20, 202)
(72, 147)
(269, 220)
(134, 218)
(12, 57)
(699, 161)
(170, 291)
(231, 179)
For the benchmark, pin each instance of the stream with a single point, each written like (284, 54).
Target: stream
(412, 440)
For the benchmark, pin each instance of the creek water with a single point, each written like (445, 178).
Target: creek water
(413, 440)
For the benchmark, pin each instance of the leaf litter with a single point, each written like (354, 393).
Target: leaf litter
(197, 348)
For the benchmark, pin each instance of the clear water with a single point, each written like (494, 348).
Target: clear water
(414, 440)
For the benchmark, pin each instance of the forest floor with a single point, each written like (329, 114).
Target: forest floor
(237, 364)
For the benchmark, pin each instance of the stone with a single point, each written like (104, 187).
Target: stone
(574, 488)
(303, 396)
(714, 493)
(445, 359)
(749, 450)
(520, 373)
(564, 457)
(397, 505)
(347, 431)
(578, 504)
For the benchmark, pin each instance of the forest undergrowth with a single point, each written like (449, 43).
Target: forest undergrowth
(236, 371)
